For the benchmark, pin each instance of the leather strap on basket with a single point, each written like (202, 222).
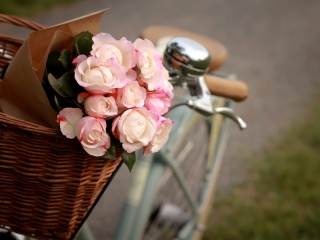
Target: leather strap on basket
(20, 22)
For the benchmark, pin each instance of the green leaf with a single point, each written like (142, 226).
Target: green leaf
(63, 102)
(67, 82)
(111, 153)
(74, 103)
(49, 91)
(65, 85)
(57, 103)
(128, 158)
(56, 86)
(65, 59)
(137, 70)
(83, 43)
(54, 66)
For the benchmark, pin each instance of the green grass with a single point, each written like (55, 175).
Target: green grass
(29, 7)
(281, 197)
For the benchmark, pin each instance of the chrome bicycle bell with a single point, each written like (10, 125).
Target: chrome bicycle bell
(187, 56)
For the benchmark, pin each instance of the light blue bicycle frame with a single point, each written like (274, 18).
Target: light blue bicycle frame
(148, 172)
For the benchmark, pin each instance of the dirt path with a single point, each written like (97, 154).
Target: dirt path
(273, 45)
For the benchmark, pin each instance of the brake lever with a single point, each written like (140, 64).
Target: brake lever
(203, 103)
(229, 113)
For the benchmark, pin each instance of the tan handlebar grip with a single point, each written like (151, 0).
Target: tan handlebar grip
(233, 89)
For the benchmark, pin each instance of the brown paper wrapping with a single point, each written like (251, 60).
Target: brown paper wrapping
(21, 92)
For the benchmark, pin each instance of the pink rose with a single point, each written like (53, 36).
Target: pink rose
(92, 134)
(167, 86)
(68, 118)
(82, 97)
(100, 78)
(150, 64)
(157, 102)
(79, 59)
(105, 47)
(100, 106)
(131, 75)
(134, 128)
(164, 127)
(132, 95)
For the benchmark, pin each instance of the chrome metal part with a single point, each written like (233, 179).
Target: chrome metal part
(203, 103)
(187, 56)
(228, 112)
(187, 62)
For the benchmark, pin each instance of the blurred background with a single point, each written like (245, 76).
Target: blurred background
(268, 185)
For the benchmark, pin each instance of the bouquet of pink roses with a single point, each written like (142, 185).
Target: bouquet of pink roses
(110, 93)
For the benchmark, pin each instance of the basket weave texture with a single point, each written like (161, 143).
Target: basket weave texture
(47, 183)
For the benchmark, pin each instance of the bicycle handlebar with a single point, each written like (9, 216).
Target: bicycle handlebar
(233, 89)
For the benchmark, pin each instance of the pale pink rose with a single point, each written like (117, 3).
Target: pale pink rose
(100, 106)
(167, 86)
(131, 75)
(100, 78)
(157, 102)
(134, 128)
(68, 118)
(132, 95)
(150, 64)
(105, 47)
(164, 127)
(82, 97)
(91, 132)
(79, 59)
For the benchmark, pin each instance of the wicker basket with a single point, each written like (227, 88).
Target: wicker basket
(48, 184)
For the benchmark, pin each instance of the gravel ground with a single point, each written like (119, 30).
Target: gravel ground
(273, 46)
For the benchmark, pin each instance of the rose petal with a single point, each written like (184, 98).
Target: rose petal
(68, 118)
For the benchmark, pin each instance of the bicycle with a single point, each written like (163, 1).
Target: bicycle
(190, 204)
(182, 215)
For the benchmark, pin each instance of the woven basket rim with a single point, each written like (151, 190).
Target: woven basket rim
(21, 22)
(7, 38)
(6, 119)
